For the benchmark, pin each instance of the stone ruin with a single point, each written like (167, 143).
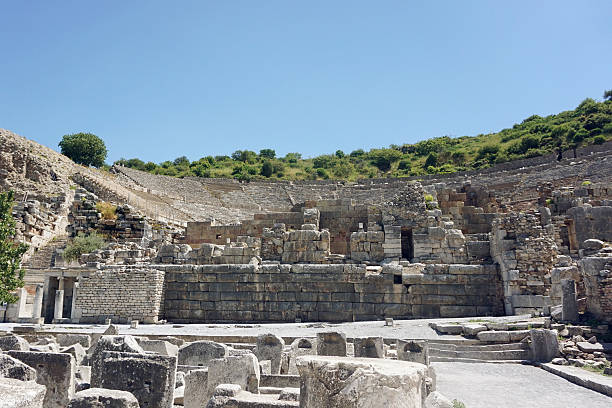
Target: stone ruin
(513, 241)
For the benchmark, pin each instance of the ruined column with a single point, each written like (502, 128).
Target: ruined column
(59, 305)
(569, 311)
(38, 302)
(73, 312)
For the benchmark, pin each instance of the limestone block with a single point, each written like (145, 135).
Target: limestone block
(200, 353)
(241, 370)
(77, 351)
(196, 392)
(416, 351)
(13, 342)
(569, 311)
(68, 339)
(472, 329)
(270, 347)
(300, 347)
(105, 343)
(494, 336)
(370, 347)
(341, 382)
(53, 370)
(12, 368)
(331, 344)
(103, 398)
(161, 347)
(437, 400)
(544, 345)
(150, 378)
(21, 394)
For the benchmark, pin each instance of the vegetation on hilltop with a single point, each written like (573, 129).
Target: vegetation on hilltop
(590, 123)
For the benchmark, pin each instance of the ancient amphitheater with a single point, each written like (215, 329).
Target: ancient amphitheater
(378, 293)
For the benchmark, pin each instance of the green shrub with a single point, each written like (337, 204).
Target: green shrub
(599, 140)
(108, 211)
(458, 404)
(428, 198)
(586, 183)
(83, 244)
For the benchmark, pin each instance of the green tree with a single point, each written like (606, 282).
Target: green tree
(11, 274)
(608, 95)
(267, 169)
(267, 153)
(384, 158)
(84, 148)
(431, 161)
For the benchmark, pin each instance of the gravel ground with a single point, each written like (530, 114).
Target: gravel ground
(413, 329)
(512, 386)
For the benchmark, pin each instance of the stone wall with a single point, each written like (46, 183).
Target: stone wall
(523, 244)
(597, 275)
(121, 294)
(283, 293)
(591, 222)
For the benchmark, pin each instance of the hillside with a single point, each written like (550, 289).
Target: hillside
(590, 123)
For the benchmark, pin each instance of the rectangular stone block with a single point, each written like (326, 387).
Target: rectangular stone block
(53, 370)
(150, 378)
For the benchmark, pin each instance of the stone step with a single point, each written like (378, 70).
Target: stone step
(482, 355)
(483, 347)
(472, 360)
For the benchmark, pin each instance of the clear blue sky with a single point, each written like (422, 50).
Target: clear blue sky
(161, 79)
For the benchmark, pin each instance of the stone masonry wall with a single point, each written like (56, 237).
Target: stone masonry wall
(282, 293)
(121, 294)
(526, 252)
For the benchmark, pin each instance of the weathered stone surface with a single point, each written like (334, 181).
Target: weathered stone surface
(544, 345)
(196, 389)
(12, 368)
(569, 311)
(126, 344)
(341, 382)
(437, 400)
(331, 344)
(68, 339)
(161, 347)
(473, 329)
(240, 370)
(587, 347)
(21, 394)
(14, 342)
(300, 347)
(199, 353)
(77, 352)
(150, 378)
(446, 328)
(369, 347)
(103, 398)
(270, 347)
(494, 336)
(53, 370)
(416, 351)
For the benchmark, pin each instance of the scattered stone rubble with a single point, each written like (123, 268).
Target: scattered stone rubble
(118, 372)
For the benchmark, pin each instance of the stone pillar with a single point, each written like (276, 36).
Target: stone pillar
(61, 283)
(23, 297)
(59, 305)
(38, 302)
(73, 311)
(569, 311)
(16, 310)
